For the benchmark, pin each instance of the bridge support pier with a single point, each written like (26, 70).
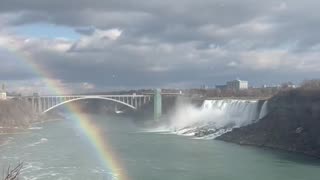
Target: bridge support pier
(39, 105)
(157, 112)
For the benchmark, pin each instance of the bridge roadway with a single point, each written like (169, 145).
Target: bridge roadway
(43, 104)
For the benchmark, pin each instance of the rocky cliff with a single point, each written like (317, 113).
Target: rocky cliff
(292, 124)
(15, 113)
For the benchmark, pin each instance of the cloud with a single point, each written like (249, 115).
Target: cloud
(88, 86)
(162, 43)
(232, 64)
(98, 40)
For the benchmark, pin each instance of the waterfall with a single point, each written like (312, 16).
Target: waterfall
(215, 117)
(264, 110)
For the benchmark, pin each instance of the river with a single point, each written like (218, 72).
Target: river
(59, 150)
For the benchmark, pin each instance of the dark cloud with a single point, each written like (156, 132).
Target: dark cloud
(13, 68)
(85, 30)
(166, 43)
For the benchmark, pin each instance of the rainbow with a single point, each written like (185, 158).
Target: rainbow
(93, 133)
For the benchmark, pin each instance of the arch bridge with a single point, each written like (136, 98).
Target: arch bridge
(43, 104)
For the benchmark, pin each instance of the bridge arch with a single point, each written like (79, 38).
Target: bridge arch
(88, 97)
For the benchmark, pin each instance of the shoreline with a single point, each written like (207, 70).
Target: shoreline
(270, 147)
(23, 130)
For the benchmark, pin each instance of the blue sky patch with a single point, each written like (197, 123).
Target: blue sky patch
(44, 30)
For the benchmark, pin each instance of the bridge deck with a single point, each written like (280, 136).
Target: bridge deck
(57, 96)
(44, 104)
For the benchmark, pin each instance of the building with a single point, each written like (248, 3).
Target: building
(221, 87)
(234, 85)
(204, 87)
(265, 86)
(237, 85)
(3, 93)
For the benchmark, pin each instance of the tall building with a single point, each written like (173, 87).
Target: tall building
(237, 85)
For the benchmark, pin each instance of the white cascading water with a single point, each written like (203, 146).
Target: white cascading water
(215, 117)
(264, 110)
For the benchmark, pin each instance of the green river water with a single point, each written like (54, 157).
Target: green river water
(60, 150)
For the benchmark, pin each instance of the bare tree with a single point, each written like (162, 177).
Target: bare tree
(311, 84)
(13, 174)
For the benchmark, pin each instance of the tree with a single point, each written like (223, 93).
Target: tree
(311, 84)
(13, 174)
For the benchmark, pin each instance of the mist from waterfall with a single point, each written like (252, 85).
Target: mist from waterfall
(215, 117)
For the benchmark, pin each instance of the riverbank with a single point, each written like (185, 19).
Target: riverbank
(292, 124)
(15, 114)
(12, 130)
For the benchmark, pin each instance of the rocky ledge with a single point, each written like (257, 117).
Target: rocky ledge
(292, 124)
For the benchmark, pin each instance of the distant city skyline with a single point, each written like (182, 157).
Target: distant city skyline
(109, 45)
(47, 90)
(230, 84)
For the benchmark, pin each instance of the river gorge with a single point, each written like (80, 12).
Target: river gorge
(186, 144)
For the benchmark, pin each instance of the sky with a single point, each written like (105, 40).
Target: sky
(100, 45)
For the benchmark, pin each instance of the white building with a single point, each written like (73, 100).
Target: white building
(3, 95)
(237, 85)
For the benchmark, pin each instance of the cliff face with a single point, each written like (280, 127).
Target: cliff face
(292, 123)
(15, 113)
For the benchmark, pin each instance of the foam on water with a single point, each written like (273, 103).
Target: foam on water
(6, 142)
(160, 129)
(35, 128)
(41, 141)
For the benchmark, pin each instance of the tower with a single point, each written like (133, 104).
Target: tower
(157, 112)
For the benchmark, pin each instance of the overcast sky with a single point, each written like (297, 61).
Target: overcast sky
(94, 45)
